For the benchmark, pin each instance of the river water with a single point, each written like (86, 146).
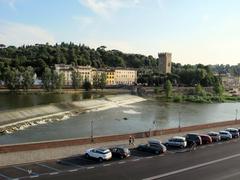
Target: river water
(142, 116)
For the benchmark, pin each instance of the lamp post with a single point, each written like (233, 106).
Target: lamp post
(236, 115)
(91, 130)
(179, 121)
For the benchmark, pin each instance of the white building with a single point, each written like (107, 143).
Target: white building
(125, 76)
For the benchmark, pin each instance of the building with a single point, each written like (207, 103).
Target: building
(86, 72)
(165, 62)
(125, 76)
(110, 73)
(67, 71)
(118, 76)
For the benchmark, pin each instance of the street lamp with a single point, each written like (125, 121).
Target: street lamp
(179, 121)
(236, 115)
(91, 130)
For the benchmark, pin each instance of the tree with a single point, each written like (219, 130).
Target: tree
(103, 81)
(60, 81)
(76, 79)
(12, 78)
(168, 88)
(96, 81)
(218, 88)
(27, 78)
(87, 85)
(47, 79)
(54, 80)
(199, 90)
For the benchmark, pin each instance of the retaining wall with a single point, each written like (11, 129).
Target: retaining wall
(102, 139)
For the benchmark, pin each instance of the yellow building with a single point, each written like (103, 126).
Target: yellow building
(110, 76)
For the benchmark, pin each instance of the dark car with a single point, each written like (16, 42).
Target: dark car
(193, 137)
(233, 131)
(215, 136)
(153, 146)
(206, 139)
(120, 152)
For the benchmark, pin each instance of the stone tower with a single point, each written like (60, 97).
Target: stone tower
(165, 62)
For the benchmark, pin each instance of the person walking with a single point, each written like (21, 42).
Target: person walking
(130, 140)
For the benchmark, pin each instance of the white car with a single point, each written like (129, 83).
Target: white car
(225, 135)
(99, 153)
(177, 141)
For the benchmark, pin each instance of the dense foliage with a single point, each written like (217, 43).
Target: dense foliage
(19, 64)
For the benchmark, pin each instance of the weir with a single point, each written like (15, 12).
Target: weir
(20, 119)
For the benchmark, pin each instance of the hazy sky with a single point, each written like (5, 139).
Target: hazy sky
(195, 31)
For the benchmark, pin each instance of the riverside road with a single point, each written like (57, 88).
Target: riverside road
(218, 161)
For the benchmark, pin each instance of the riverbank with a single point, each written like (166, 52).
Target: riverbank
(20, 119)
(48, 150)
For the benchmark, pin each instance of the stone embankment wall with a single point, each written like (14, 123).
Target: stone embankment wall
(102, 139)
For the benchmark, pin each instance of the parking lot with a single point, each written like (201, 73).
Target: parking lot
(81, 163)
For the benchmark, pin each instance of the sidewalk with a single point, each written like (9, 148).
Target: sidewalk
(62, 152)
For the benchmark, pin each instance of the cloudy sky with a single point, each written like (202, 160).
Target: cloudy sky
(195, 31)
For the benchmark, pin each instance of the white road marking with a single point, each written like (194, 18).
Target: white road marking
(202, 147)
(91, 167)
(48, 167)
(4, 176)
(34, 176)
(220, 143)
(73, 170)
(22, 169)
(121, 162)
(150, 157)
(54, 173)
(107, 165)
(135, 160)
(192, 167)
(162, 155)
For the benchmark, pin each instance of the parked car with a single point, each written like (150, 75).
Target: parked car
(177, 141)
(206, 139)
(153, 146)
(233, 131)
(225, 135)
(193, 137)
(99, 153)
(120, 152)
(215, 136)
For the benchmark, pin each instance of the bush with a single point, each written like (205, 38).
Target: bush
(177, 98)
(157, 90)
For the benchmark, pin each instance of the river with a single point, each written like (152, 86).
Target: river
(141, 116)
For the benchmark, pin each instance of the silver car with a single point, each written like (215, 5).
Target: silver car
(177, 141)
(215, 136)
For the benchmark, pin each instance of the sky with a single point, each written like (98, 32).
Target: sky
(194, 31)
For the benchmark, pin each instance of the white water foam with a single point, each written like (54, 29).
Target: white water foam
(131, 111)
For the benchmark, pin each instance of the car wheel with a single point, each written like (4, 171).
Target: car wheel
(181, 147)
(121, 156)
(100, 159)
(87, 155)
(156, 152)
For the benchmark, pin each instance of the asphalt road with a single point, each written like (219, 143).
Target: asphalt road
(218, 161)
